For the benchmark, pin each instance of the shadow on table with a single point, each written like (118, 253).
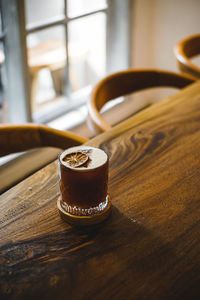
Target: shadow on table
(119, 259)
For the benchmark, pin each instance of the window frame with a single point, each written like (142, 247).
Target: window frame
(17, 86)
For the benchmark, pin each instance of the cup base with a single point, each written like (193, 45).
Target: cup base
(84, 211)
(85, 220)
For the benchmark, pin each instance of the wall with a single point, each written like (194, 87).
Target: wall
(157, 26)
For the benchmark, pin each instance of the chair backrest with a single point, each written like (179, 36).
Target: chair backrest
(126, 82)
(18, 138)
(186, 49)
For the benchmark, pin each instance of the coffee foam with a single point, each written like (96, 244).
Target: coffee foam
(97, 157)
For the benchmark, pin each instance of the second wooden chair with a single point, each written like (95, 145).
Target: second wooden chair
(185, 50)
(126, 82)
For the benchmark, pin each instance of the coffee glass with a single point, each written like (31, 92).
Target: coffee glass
(83, 180)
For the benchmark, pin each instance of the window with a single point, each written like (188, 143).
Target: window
(56, 50)
(2, 58)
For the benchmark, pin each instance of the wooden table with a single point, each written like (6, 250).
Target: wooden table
(149, 248)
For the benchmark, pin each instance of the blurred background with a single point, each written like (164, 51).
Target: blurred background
(54, 51)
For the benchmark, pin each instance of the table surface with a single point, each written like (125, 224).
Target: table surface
(149, 248)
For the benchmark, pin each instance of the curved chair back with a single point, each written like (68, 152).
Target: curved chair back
(184, 51)
(18, 138)
(126, 82)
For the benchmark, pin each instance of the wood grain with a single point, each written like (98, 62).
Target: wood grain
(147, 249)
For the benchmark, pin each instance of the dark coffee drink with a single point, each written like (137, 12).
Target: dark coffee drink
(83, 178)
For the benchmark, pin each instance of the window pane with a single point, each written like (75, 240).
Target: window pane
(41, 10)
(87, 44)
(77, 7)
(2, 59)
(46, 59)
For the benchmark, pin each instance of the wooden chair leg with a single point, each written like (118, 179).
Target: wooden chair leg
(58, 78)
(34, 89)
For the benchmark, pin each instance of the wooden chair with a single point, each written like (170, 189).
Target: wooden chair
(126, 82)
(19, 138)
(51, 54)
(184, 51)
